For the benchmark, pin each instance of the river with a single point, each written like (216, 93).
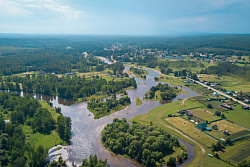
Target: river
(86, 131)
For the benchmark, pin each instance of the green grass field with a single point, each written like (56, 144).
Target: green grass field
(138, 101)
(228, 82)
(171, 80)
(238, 115)
(36, 139)
(189, 128)
(204, 114)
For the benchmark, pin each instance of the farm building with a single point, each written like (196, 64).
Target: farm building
(245, 107)
(226, 106)
(208, 128)
(187, 112)
(202, 126)
(215, 93)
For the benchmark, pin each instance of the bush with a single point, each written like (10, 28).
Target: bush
(209, 106)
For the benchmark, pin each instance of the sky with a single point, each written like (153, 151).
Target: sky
(124, 17)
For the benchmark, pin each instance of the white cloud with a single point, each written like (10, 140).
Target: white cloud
(8, 8)
(25, 7)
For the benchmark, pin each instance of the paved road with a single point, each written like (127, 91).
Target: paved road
(221, 93)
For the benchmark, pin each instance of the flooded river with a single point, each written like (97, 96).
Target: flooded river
(86, 131)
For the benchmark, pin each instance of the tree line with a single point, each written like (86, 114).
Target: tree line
(146, 144)
(229, 70)
(167, 92)
(69, 87)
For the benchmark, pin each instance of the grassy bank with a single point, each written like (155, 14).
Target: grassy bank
(138, 101)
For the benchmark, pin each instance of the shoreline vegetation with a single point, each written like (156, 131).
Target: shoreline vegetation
(101, 108)
(162, 92)
(138, 101)
(139, 73)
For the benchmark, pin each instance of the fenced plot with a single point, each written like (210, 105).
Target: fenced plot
(239, 134)
(241, 156)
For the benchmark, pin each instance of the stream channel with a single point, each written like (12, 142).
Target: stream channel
(86, 131)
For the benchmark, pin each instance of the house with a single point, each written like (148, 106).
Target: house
(234, 95)
(187, 112)
(215, 127)
(228, 92)
(246, 101)
(245, 107)
(215, 93)
(6, 121)
(71, 73)
(202, 126)
(226, 106)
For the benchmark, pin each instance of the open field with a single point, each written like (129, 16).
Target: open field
(171, 80)
(198, 88)
(200, 113)
(36, 139)
(228, 82)
(189, 128)
(225, 125)
(106, 74)
(238, 115)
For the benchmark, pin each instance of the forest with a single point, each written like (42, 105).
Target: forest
(101, 108)
(15, 150)
(146, 144)
(166, 92)
(69, 87)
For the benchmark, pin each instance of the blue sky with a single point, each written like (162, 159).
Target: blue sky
(124, 17)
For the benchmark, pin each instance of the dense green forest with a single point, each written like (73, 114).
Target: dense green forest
(229, 69)
(166, 92)
(69, 87)
(146, 144)
(15, 149)
(100, 108)
(58, 62)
